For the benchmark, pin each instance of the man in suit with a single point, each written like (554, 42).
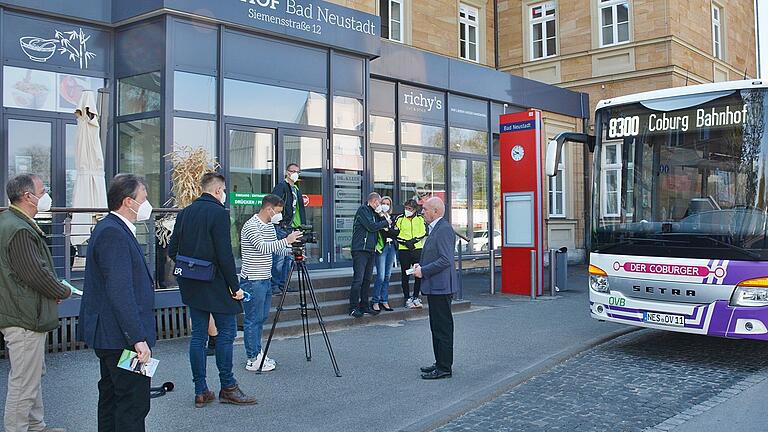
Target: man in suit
(29, 291)
(438, 282)
(202, 232)
(117, 308)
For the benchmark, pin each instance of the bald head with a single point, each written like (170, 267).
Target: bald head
(434, 208)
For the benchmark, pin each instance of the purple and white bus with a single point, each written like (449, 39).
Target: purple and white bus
(679, 209)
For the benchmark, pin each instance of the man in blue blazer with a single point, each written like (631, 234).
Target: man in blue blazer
(438, 282)
(117, 308)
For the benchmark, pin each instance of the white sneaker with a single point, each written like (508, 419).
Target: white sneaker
(253, 364)
(409, 303)
(417, 303)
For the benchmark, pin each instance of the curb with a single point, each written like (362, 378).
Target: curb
(480, 397)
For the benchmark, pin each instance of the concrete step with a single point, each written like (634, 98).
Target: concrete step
(334, 293)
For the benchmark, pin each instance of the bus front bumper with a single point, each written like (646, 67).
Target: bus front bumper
(714, 319)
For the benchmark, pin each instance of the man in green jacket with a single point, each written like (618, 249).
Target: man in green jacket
(29, 292)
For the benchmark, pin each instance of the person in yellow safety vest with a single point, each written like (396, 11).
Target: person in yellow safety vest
(410, 241)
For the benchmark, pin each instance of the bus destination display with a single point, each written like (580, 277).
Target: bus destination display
(683, 121)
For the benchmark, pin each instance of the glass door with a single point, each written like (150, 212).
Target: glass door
(309, 151)
(251, 175)
(469, 204)
(30, 143)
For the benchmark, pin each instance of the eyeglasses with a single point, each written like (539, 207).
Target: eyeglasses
(294, 171)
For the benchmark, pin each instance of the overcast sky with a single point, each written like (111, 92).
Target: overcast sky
(763, 17)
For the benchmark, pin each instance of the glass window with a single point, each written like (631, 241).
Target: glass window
(138, 94)
(496, 203)
(460, 200)
(421, 135)
(468, 32)
(382, 130)
(480, 207)
(138, 148)
(45, 91)
(194, 92)
(308, 153)
(557, 190)
(194, 133)
(274, 103)
(250, 176)
(611, 179)
(543, 33)
(348, 113)
(29, 149)
(614, 22)
(717, 34)
(384, 173)
(391, 13)
(422, 175)
(348, 190)
(469, 141)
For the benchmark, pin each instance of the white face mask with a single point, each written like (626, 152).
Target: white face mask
(145, 211)
(223, 197)
(294, 177)
(276, 218)
(408, 213)
(44, 203)
(379, 208)
(384, 208)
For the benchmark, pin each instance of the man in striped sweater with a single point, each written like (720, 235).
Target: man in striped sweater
(258, 242)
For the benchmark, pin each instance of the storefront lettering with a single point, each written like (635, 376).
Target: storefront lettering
(301, 12)
(73, 43)
(424, 103)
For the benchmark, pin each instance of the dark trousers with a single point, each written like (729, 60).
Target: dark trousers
(362, 265)
(407, 259)
(441, 324)
(123, 395)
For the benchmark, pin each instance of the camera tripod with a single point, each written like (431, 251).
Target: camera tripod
(306, 291)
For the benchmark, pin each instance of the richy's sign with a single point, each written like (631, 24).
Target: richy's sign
(313, 20)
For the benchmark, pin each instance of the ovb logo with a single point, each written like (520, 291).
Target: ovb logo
(616, 301)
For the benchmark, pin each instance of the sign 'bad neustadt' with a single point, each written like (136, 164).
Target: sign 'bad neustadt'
(307, 17)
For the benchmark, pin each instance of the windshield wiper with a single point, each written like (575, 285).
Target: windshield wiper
(730, 246)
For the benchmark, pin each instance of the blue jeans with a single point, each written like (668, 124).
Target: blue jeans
(226, 324)
(384, 261)
(256, 313)
(281, 264)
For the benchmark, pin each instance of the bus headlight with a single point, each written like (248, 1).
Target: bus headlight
(751, 292)
(598, 279)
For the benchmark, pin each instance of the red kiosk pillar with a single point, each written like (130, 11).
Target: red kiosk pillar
(522, 255)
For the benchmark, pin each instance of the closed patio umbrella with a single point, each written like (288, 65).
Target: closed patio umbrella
(90, 188)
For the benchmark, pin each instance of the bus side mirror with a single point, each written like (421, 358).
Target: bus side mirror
(553, 157)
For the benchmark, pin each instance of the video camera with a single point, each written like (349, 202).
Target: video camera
(307, 236)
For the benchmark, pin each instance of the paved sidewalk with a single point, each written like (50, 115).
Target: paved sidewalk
(500, 339)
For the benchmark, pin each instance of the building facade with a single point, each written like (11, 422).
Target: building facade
(263, 83)
(609, 48)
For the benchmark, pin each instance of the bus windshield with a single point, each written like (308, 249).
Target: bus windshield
(683, 177)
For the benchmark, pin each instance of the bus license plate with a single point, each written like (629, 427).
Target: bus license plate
(664, 319)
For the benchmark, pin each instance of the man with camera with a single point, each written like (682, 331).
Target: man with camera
(258, 244)
(294, 216)
(368, 222)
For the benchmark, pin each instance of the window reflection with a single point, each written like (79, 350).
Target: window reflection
(347, 113)
(45, 91)
(139, 153)
(422, 135)
(194, 133)
(384, 173)
(469, 141)
(194, 92)
(259, 101)
(139, 93)
(382, 130)
(29, 149)
(422, 176)
(69, 155)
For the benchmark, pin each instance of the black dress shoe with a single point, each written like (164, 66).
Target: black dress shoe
(436, 374)
(385, 307)
(428, 369)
